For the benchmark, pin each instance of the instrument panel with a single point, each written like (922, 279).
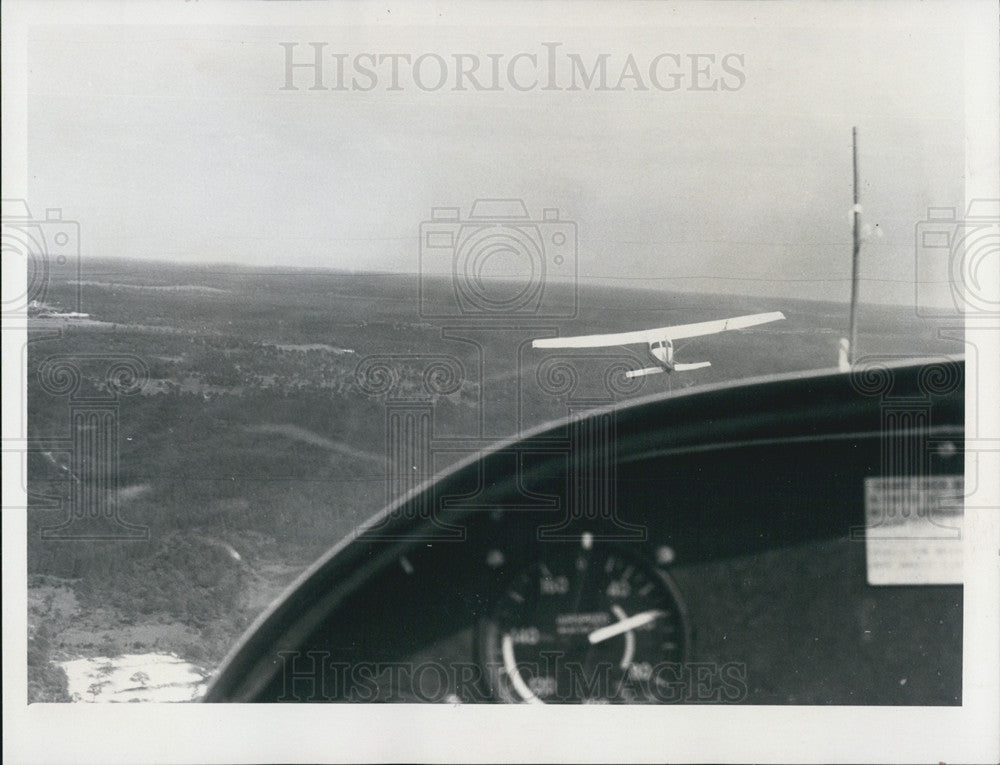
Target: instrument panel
(748, 585)
(730, 567)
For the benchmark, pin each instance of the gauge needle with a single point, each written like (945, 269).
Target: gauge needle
(625, 625)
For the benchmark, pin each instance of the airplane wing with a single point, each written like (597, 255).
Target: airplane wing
(677, 332)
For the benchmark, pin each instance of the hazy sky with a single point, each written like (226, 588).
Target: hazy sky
(179, 142)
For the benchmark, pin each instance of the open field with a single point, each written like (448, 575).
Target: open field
(258, 439)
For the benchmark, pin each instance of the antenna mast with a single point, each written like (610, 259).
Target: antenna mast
(856, 210)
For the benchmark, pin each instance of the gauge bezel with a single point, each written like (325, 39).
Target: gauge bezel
(487, 629)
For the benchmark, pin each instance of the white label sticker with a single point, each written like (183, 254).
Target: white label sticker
(913, 530)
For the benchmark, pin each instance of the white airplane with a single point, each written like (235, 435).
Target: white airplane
(661, 341)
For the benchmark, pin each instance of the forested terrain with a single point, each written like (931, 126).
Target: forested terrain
(255, 436)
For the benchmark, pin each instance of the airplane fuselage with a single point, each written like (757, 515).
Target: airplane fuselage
(663, 352)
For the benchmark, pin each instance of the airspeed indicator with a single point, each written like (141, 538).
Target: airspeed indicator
(586, 622)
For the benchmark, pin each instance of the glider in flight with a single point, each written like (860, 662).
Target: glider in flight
(661, 340)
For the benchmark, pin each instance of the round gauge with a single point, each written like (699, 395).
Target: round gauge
(587, 622)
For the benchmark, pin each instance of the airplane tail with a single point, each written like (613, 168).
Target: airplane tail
(689, 367)
(644, 372)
